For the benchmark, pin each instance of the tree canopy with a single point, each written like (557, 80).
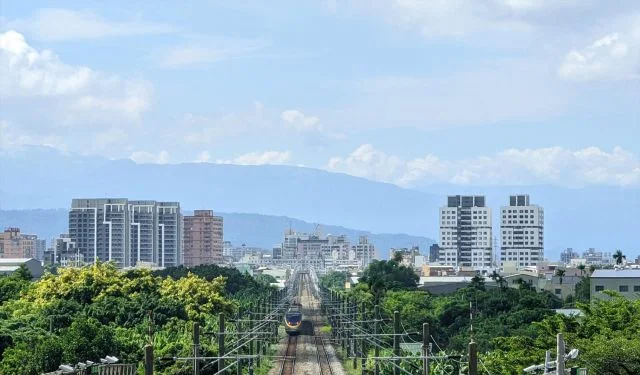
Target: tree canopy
(384, 275)
(87, 313)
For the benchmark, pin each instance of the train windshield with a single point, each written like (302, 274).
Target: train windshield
(293, 317)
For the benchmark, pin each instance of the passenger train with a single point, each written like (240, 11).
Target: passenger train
(293, 320)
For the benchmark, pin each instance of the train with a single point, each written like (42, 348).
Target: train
(293, 320)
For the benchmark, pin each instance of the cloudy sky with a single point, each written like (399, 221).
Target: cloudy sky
(482, 92)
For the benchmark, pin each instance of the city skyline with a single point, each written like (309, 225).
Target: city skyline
(318, 187)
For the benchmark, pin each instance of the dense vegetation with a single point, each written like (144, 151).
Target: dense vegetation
(512, 327)
(87, 313)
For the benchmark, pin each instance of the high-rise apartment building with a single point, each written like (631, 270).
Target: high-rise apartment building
(128, 233)
(336, 247)
(14, 244)
(568, 254)
(465, 232)
(522, 227)
(203, 238)
(363, 251)
(324, 250)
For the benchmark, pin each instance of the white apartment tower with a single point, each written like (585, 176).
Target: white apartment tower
(465, 232)
(522, 226)
(125, 232)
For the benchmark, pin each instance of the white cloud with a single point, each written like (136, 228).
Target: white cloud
(143, 157)
(260, 158)
(462, 18)
(300, 121)
(368, 162)
(26, 72)
(203, 157)
(554, 165)
(65, 24)
(612, 57)
(11, 138)
(206, 50)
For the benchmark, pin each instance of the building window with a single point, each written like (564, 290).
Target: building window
(599, 288)
(623, 288)
(558, 291)
(636, 288)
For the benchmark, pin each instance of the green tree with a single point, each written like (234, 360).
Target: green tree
(495, 276)
(619, 257)
(265, 280)
(22, 273)
(414, 307)
(383, 275)
(334, 280)
(582, 268)
(477, 282)
(583, 290)
(87, 339)
(560, 273)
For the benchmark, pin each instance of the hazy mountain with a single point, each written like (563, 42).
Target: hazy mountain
(45, 178)
(38, 177)
(250, 229)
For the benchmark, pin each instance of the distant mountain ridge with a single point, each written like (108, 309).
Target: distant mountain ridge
(240, 228)
(39, 177)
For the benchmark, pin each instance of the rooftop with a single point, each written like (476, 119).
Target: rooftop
(13, 261)
(616, 274)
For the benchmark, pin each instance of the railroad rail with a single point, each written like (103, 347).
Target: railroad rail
(289, 363)
(323, 357)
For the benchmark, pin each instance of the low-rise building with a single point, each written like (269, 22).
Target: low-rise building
(10, 265)
(16, 245)
(624, 281)
(592, 256)
(448, 284)
(437, 270)
(543, 280)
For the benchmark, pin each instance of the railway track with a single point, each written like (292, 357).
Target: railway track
(323, 357)
(289, 362)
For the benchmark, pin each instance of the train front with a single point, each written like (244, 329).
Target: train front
(293, 321)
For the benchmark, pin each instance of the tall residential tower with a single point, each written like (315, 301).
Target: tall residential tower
(465, 232)
(128, 233)
(522, 226)
(203, 242)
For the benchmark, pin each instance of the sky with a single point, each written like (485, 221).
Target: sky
(483, 92)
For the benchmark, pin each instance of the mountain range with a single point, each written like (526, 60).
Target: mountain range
(43, 178)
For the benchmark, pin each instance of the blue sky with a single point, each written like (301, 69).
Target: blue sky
(487, 92)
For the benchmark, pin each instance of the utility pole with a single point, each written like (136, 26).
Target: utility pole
(376, 348)
(221, 334)
(425, 348)
(240, 350)
(148, 359)
(560, 355)
(559, 363)
(252, 343)
(354, 348)
(363, 361)
(343, 314)
(196, 348)
(396, 342)
(473, 358)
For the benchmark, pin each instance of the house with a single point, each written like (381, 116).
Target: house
(624, 281)
(10, 265)
(448, 284)
(550, 282)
